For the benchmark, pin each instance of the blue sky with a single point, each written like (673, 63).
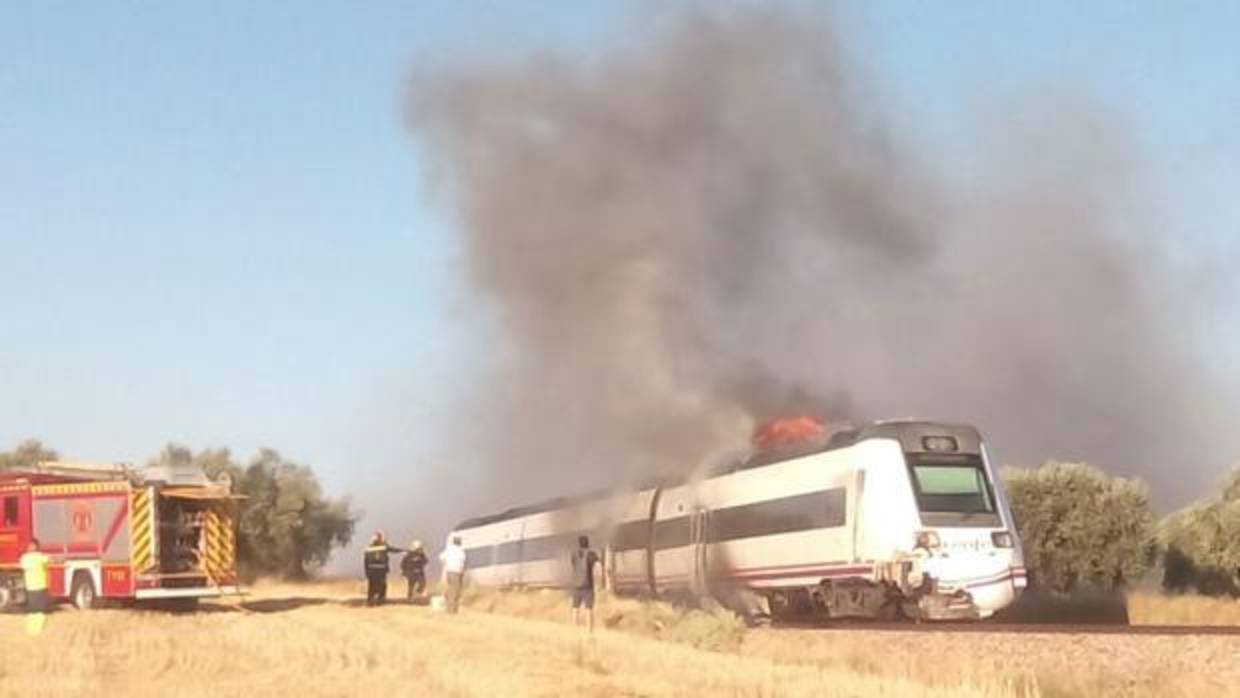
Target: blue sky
(212, 220)
(213, 229)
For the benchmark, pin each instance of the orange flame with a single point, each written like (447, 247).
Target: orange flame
(787, 431)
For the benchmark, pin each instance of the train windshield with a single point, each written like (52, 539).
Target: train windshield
(953, 491)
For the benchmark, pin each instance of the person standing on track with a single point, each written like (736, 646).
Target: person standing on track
(413, 566)
(453, 560)
(583, 560)
(375, 561)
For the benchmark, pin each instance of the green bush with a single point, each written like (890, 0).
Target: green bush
(1080, 527)
(1203, 544)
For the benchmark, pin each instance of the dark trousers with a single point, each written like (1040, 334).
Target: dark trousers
(417, 585)
(38, 601)
(376, 588)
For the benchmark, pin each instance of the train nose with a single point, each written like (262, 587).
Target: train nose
(954, 605)
(972, 586)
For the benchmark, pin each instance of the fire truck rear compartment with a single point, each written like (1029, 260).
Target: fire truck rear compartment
(182, 526)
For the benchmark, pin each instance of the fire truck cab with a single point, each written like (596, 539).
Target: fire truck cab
(114, 532)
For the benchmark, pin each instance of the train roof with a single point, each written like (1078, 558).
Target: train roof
(909, 432)
(537, 508)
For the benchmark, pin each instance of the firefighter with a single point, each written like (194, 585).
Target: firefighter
(413, 566)
(375, 561)
(34, 573)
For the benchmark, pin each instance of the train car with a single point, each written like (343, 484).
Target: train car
(113, 533)
(897, 518)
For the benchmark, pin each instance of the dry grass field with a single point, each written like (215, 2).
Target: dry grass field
(320, 641)
(1159, 609)
(1047, 663)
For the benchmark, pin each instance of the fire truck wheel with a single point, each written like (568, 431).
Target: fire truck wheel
(83, 593)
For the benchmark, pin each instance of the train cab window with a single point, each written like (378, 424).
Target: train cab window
(10, 512)
(958, 489)
(953, 488)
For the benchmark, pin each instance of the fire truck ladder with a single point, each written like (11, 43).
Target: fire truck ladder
(81, 471)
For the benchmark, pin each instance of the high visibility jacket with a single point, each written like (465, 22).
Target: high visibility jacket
(375, 558)
(34, 570)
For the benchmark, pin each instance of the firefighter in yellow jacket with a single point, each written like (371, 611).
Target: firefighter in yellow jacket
(375, 561)
(34, 575)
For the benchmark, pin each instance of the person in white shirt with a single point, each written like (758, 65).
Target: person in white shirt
(453, 560)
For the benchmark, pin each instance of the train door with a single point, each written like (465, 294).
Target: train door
(518, 556)
(609, 567)
(699, 542)
(652, 542)
(856, 491)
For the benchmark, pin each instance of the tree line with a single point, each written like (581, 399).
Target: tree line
(286, 525)
(1080, 528)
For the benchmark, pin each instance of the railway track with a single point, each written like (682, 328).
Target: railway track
(1012, 628)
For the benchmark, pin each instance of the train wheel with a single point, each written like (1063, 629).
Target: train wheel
(890, 610)
(83, 593)
(911, 610)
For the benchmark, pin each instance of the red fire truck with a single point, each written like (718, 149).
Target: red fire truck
(118, 533)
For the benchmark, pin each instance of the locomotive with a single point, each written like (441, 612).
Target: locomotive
(895, 519)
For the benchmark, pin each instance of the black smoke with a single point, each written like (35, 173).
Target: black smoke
(717, 224)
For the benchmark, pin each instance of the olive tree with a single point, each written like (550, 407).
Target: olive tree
(1081, 527)
(286, 525)
(27, 453)
(1203, 543)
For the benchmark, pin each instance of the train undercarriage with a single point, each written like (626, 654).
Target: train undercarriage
(865, 599)
(899, 591)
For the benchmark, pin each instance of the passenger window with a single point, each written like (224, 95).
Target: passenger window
(10, 512)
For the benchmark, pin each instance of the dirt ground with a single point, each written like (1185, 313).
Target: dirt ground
(322, 641)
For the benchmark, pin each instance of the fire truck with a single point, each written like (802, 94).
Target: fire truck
(162, 533)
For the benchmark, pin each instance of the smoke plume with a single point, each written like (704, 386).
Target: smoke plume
(718, 225)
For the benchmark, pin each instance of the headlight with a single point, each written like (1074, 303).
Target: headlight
(1001, 539)
(939, 443)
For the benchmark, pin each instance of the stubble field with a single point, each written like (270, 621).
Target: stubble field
(321, 641)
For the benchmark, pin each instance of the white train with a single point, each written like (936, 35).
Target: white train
(899, 518)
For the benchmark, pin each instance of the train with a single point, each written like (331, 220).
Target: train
(897, 519)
